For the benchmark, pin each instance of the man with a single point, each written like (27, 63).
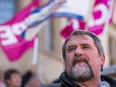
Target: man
(14, 79)
(35, 81)
(84, 60)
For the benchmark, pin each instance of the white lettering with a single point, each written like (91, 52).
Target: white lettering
(104, 15)
(18, 28)
(75, 24)
(102, 18)
(6, 36)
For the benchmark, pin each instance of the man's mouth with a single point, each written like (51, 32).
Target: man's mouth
(80, 63)
(80, 60)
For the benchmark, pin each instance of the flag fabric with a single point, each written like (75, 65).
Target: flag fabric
(74, 9)
(38, 18)
(54, 8)
(100, 16)
(11, 41)
(72, 25)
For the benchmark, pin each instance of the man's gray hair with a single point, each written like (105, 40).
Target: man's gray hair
(97, 41)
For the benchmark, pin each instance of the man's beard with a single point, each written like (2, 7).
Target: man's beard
(80, 71)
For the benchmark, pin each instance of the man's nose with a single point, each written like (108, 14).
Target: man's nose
(79, 51)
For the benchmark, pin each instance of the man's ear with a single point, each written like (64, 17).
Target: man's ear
(102, 60)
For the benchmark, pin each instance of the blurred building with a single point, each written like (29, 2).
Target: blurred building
(110, 71)
(50, 62)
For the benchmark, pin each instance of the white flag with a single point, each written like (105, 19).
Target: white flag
(74, 8)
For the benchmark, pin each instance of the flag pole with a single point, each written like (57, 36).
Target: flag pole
(35, 51)
(36, 42)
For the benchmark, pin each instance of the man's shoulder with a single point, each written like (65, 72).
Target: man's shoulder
(109, 80)
(52, 85)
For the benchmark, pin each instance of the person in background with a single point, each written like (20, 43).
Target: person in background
(13, 78)
(25, 78)
(35, 81)
(84, 59)
(1, 84)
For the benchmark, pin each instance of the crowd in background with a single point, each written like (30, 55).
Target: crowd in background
(13, 78)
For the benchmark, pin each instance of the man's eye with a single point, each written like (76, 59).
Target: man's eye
(85, 47)
(71, 49)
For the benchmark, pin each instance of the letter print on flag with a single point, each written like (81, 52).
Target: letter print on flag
(99, 16)
(10, 34)
(73, 24)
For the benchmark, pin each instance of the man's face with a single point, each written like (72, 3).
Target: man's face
(82, 59)
(15, 80)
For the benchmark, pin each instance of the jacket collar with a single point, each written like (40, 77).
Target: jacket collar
(71, 83)
(67, 81)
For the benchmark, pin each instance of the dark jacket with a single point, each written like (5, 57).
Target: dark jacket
(26, 78)
(67, 82)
